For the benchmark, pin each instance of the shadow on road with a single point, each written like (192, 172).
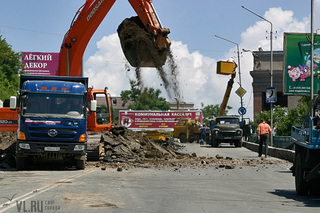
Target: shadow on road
(308, 201)
(220, 146)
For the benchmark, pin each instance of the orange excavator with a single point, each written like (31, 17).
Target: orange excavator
(88, 19)
(85, 22)
(150, 52)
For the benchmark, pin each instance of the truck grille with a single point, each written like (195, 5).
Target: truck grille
(43, 132)
(227, 134)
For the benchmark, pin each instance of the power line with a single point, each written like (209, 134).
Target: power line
(33, 31)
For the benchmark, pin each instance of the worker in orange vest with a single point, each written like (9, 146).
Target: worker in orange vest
(264, 132)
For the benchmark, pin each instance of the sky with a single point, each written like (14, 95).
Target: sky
(39, 26)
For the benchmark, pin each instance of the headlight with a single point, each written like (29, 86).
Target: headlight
(24, 146)
(238, 132)
(216, 132)
(79, 148)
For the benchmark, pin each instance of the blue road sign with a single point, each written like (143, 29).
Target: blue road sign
(271, 95)
(242, 111)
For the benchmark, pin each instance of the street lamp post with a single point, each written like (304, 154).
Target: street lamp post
(241, 102)
(271, 68)
(311, 62)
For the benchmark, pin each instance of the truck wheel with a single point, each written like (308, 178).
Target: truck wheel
(238, 143)
(183, 138)
(214, 142)
(20, 163)
(80, 164)
(301, 184)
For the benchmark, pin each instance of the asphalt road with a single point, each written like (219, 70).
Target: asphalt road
(259, 188)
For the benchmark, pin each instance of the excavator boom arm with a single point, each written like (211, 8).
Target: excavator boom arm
(88, 19)
(227, 94)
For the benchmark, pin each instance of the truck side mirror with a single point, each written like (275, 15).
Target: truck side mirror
(93, 105)
(13, 103)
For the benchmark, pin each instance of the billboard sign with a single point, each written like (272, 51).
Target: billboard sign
(40, 63)
(138, 120)
(297, 60)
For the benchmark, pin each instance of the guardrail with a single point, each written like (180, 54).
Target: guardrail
(281, 153)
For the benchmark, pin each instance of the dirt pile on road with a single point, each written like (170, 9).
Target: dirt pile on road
(124, 145)
(189, 161)
(7, 149)
(7, 139)
(126, 149)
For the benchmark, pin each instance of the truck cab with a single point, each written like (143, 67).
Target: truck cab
(187, 130)
(52, 120)
(227, 130)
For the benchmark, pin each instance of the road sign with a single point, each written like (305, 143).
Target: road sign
(271, 95)
(241, 91)
(242, 111)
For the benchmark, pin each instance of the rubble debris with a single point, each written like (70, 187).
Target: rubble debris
(230, 166)
(124, 145)
(219, 157)
(124, 149)
(7, 149)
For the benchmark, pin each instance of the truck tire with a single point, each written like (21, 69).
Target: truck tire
(80, 164)
(238, 143)
(214, 142)
(301, 185)
(183, 138)
(20, 163)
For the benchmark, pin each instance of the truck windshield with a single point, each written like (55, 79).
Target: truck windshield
(227, 121)
(58, 105)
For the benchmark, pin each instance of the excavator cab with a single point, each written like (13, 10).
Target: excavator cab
(141, 47)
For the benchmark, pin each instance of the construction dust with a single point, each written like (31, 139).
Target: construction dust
(139, 48)
(168, 75)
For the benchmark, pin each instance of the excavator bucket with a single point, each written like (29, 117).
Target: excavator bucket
(139, 46)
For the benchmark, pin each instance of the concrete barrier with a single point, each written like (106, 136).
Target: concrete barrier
(285, 154)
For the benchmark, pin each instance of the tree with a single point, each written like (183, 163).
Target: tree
(284, 118)
(146, 99)
(9, 69)
(210, 111)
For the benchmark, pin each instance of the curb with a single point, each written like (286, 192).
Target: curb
(285, 154)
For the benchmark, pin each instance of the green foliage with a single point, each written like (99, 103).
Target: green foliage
(210, 111)
(284, 118)
(147, 99)
(9, 68)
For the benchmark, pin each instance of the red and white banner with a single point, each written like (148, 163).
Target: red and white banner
(138, 120)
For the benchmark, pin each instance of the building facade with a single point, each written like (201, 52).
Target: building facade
(261, 76)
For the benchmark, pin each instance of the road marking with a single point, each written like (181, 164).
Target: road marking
(35, 192)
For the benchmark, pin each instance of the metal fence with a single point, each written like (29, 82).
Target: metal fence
(278, 141)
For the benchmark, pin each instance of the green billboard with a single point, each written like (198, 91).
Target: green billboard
(297, 60)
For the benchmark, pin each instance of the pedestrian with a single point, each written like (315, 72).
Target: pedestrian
(203, 132)
(264, 132)
(212, 123)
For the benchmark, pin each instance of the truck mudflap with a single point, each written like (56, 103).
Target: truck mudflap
(314, 173)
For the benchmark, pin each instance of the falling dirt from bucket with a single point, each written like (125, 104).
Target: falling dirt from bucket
(140, 50)
(138, 44)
